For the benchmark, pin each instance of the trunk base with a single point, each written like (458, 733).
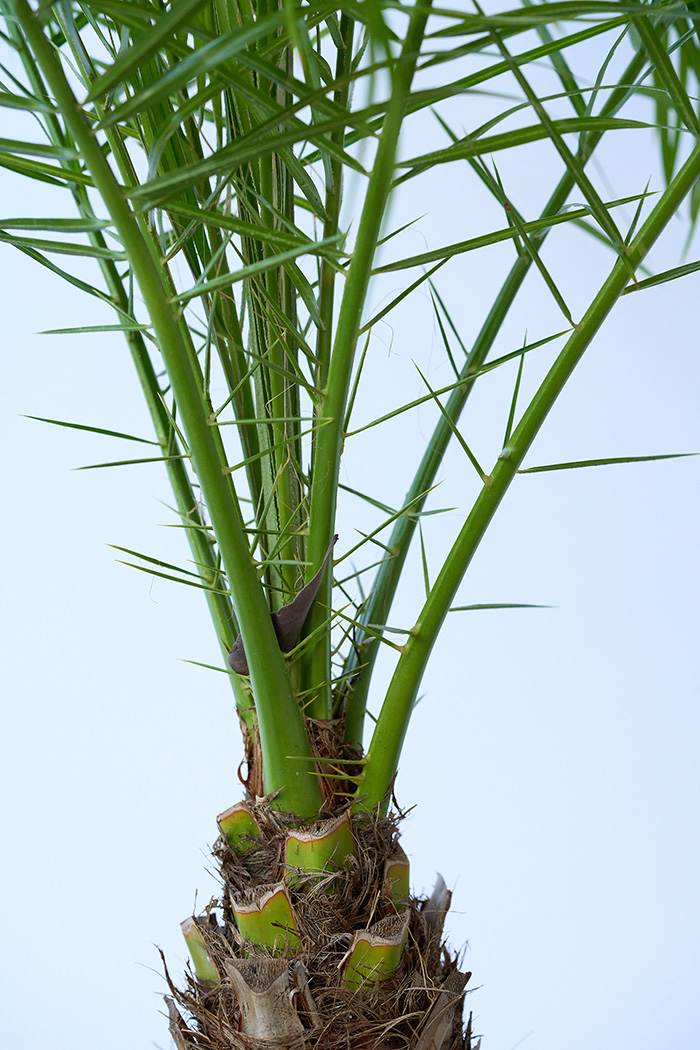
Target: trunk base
(418, 1006)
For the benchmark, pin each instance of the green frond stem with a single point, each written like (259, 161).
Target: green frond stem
(281, 724)
(315, 669)
(361, 660)
(385, 748)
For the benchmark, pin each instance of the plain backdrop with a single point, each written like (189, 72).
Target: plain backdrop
(553, 758)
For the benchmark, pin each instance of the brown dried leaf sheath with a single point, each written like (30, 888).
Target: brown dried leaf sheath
(287, 621)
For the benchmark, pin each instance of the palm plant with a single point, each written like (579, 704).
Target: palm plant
(205, 147)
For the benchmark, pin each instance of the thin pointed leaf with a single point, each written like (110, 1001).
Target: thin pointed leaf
(604, 462)
(92, 430)
(401, 296)
(451, 424)
(256, 231)
(209, 667)
(561, 66)
(131, 462)
(66, 225)
(468, 379)
(635, 219)
(375, 632)
(44, 172)
(371, 536)
(424, 560)
(514, 401)
(37, 149)
(469, 147)
(175, 579)
(662, 278)
(416, 515)
(520, 19)
(529, 244)
(264, 266)
(443, 333)
(92, 329)
(63, 247)
(69, 277)
(10, 101)
(498, 605)
(368, 499)
(505, 234)
(268, 451)
(153, 561)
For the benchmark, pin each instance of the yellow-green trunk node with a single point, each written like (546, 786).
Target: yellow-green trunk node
(396, 878)
(238, 826)
(203, 964)
(267, 918)
(375, 953)
(321, 848)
